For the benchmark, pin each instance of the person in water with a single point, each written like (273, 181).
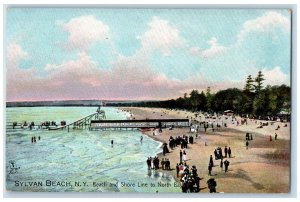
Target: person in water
(112, 143)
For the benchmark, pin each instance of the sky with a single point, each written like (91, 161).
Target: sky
(141, 54)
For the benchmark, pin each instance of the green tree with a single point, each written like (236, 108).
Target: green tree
(259, 82)
(186, 104)
(208, 91)
(185, 96)
(228, 99)
(249, 86)
(248, 96)
(180, 103)
(265, 104)
(194, 99)
(208, 100)
(259, 104)
(202, 101)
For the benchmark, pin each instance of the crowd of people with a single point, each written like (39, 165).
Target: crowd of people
(190, 180)
(219, 156)
(189, 177)
(43, 124)
(183, 141)
(153, 163)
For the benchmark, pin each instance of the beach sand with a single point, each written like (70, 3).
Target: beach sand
(263, 168)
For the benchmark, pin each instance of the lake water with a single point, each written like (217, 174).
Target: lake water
(79, 155)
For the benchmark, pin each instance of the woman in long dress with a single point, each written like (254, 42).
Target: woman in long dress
(184, 158)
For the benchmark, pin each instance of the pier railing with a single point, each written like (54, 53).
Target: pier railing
(79, 124)
(138, 124)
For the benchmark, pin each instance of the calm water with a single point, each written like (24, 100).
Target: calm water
(79, 155)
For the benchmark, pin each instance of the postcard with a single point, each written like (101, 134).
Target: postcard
(148, 100)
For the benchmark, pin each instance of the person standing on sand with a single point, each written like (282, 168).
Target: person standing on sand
(211, 183)
(216, 154)
(247, 144)
(184, 156)
(194, 171)
(180, 155)
(197, 183)
(247, 136)
(270, 138)
(220, 152)
(275, 136)
(225, 151)
(209, 169)
(177, 170)
(229, 152)
(226, 164)
(221, 164)
(163, 163)
(167, 164)
(211, 162)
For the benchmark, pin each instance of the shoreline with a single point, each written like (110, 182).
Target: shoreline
(249, 170)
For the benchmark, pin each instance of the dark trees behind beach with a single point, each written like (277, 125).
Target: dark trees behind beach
(254, 99)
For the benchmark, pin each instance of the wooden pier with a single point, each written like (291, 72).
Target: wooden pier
(96, 121)
(81, 123)
(138, 124)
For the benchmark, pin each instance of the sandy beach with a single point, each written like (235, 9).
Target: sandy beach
(263, 168)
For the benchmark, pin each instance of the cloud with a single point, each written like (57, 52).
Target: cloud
(265, 23)
(84, 31)
(215, 49)
(15, 53)
(275, 76)
(18, 80)
(161, 36)
(82, 70)
(82, 78)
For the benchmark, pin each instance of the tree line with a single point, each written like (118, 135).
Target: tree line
(253, 99)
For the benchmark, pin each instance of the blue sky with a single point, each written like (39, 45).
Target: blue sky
(142, 53)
